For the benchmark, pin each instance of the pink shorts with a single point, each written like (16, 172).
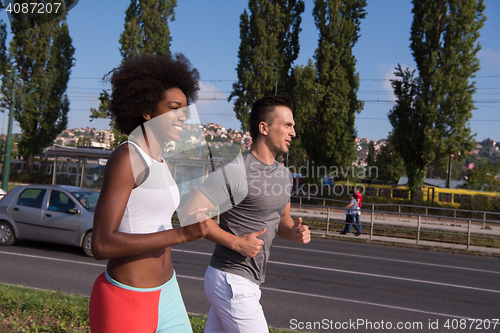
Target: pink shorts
(115, 307)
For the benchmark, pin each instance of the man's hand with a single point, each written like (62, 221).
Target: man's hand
(195, 215)
(301, 233)
(249, 245)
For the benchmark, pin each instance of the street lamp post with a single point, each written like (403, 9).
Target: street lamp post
(274, 63)
(8, 141)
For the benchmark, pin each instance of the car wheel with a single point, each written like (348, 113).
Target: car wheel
(87, 244)
(7, 236)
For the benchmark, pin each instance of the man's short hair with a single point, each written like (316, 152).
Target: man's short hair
(262, 111)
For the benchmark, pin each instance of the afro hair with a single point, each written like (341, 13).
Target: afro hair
(139, 84)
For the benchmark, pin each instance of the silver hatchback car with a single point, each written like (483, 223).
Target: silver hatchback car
(49, 213)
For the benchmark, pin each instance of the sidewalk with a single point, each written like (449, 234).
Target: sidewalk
(338, 216)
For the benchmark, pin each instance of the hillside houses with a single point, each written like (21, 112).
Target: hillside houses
(92, 137)
(87, 136)
(362, 145)
(218, 135)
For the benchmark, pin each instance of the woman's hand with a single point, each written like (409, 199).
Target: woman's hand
(194, 231)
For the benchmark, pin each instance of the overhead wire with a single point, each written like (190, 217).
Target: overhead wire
(85, 97)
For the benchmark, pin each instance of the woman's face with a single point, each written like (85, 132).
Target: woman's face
(168, 119)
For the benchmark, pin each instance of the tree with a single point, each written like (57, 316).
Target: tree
(42, 50)
(303, 94)
(371, 154)
(3, 47)
(326, 127)
(146, 32)
(487, 143)
(84, 141)
(432, 111)
(269, 45)
(3, 56)
(484, 177)
(390, 165)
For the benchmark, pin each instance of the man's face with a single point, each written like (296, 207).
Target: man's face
(281, 130)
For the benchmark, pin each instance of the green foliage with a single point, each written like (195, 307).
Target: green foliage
(328, 101)
(146, 28)
(3, 47)
(36, 177)
(432, 112)
(84, 141)
(390, 165)
(43, 54)
(484, 177)
(101, 112)
(370, 160)
(304, 96)
(27, 310)
(443, 41)
(269, 45)
(410, 128)
(297, 155)
(146, 32)
(13, 150)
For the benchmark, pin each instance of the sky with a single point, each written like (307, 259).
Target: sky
(207, 33)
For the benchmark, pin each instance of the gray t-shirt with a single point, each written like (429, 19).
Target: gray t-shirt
(268, 189)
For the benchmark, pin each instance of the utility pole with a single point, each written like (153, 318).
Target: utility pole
(275, 64)
(8, 141)
(448, 174)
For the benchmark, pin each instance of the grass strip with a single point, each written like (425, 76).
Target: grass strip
(33, 311)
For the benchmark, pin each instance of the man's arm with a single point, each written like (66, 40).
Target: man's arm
(248, 245)
(293, 231)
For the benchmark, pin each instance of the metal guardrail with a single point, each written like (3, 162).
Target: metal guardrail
(327, 213)
(426, 208)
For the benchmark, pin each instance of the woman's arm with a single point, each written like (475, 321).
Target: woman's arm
(247, 245)
(107, 241)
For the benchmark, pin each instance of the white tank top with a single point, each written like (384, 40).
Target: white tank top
(152, 203)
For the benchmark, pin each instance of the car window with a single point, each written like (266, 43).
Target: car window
(31, 197)
(60, 202)
(87, 199)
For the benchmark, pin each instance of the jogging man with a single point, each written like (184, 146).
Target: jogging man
(256, 208)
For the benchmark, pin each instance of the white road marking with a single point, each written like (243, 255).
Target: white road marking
(297, 292)
(385, 276)
(386, 259)
(342, 300)
(53, 259)
(360, 273)
(287, 264)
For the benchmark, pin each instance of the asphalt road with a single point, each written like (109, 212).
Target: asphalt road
(325, 286)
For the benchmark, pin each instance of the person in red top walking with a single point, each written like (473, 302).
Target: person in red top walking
(359, 198)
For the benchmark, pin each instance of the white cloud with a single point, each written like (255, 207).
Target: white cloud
(210, 92)
(489, 57)
(212, 104)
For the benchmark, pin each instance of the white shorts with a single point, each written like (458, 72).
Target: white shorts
(235, 305)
